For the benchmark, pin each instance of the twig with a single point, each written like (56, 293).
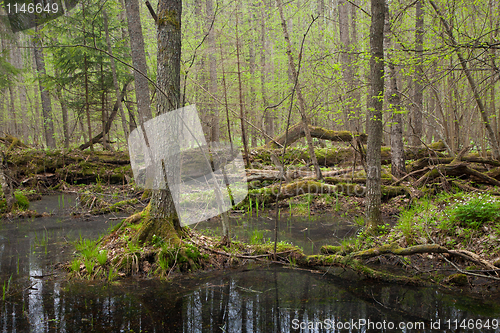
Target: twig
(469, 273)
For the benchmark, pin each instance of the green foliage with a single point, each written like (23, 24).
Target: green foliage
(102, 257)
(89, 266)
(477, 211)
(22, 202)
(87, 248)
(75, 266)
(7, 71)
(257, 237)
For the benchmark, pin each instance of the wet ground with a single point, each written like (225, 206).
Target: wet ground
(36, 298)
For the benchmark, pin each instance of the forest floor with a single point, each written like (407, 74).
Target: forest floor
(441, 221)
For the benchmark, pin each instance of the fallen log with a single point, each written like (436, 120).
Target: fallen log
(455, 170)
(296, 132)
(268, 194)
(427, 161)
(352, 260)
(395, 249)
(358, 267)
(333, 156)
(273, 175)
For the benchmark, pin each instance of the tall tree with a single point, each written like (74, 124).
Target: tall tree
(398, 168)
(138, 60)
(300, 97)
(345, 58)
(374, 117)
(164, 220)
(416, 119)
(48, 123)
(212, 64)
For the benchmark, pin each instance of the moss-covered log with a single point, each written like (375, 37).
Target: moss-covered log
(12, 142)
(330, 156)
(268, 194)
(296, 132)
(358, 267)
(70, 166)
(400, 251)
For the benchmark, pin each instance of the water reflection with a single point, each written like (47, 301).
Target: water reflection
(309, 233)
(272, 299)
(251, 299)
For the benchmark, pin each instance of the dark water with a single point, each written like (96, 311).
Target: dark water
(309, 233)
(251, 299)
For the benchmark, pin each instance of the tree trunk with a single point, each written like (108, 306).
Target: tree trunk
(64, 111)
(10, 199)
(416, 119)
(374, 121)
(244, 137)
(13, 111)
(48, 124)
(302, 106)
(212, 64)
(394, 99)
(163, 219)
(356, 91)
(115, 76)
(472, 83)
(345, 59)
(138, 60)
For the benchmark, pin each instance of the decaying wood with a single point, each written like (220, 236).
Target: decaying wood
(12, 142)
(427, 161)
(455, 170)
(268, 194)
(296, 132)
(334, 156)
(358, 267)
(353, 260)
(274, 175)
(400, 251)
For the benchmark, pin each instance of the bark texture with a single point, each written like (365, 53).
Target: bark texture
(138, 60)
(374, 121)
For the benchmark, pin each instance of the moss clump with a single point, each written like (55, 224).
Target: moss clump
(162, 228)
(168, 17)
(457, 279)
(268, 248)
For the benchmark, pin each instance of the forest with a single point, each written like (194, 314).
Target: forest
(373, 121)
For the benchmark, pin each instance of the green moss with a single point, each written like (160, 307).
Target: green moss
(162, 228)
(168, 17)
(330, 249)
(280, 247)
(457, 279)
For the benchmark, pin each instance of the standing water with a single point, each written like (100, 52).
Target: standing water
(36, 298)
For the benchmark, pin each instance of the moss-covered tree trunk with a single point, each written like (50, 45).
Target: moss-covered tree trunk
(161, 217)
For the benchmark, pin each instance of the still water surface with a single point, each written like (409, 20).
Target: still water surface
(250, 299)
